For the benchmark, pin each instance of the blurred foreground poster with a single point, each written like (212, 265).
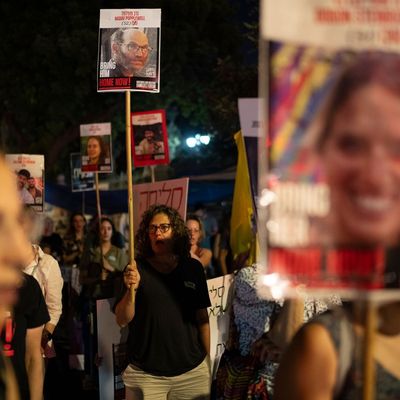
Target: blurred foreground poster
(330, 186)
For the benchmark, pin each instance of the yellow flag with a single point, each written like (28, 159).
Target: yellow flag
(242, 237)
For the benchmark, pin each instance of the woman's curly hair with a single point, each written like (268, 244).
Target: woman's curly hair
(180, 235)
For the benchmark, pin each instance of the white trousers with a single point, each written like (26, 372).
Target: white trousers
(192, 385)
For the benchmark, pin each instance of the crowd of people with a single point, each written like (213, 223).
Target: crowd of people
(49, 301)
(297, 348)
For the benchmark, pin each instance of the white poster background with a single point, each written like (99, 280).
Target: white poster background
(125, 18)
(101, 129)
(250, 116)
(357, 25)
(109, 333)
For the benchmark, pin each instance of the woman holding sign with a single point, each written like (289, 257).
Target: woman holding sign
(359, 146)
(164, 303)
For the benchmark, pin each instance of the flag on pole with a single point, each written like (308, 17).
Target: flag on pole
(243, 235)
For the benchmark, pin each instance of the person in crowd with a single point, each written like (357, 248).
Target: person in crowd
(27, 319)
(358, 146)
(34, 191)
(130, 52)
(164, 303)
(96, 151)
(210, 225)
(22, 179)
(223, 253)
(196, 233)
(100, 267)
(332, 340)
(104, 261)
(45, 269)
(74, 239)
(11, 241)
(263, 328)
(149, 144)
(51, 242)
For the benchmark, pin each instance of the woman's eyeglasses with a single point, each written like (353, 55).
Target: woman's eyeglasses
(162, 227)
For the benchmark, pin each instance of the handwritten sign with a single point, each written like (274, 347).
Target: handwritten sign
(219, 315)
(172, 193)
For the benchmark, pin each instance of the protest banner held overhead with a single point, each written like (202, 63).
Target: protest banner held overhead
(329, 189)
(129, 50)
(29, 171)
(80, 181)
(96, 147)
(149, 138)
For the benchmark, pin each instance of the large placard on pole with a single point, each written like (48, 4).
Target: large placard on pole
(29, 171)
(150, 138)
(329, 205)
(129, 50)
(172, 193)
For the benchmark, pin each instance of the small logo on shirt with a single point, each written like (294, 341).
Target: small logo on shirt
(190, 285)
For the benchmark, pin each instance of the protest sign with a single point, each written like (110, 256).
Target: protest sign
(250, 115)
(172, 193)
(96, 147)
(330, 215)
(150, 138)
(29, 170)
(80, 181)
(129, 50)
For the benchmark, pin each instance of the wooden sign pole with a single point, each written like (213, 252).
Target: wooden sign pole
(368, 351)
(129, 177)
(98, 205)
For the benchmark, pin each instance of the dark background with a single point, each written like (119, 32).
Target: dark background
(48, 60)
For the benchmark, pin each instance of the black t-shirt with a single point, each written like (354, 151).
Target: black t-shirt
(163, 336)
(29, 312)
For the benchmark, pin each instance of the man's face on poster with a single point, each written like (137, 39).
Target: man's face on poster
(21, 181)
(31, 182)
(149, 135)
(133, 53)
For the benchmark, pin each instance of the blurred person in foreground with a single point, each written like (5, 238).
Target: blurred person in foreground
(164, 303)
(10, 277)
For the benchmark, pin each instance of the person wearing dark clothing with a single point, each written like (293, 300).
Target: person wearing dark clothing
(28, 318)
(164, 303)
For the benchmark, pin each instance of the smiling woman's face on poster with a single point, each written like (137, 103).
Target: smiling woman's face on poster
(359, 152)
(337, 208)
